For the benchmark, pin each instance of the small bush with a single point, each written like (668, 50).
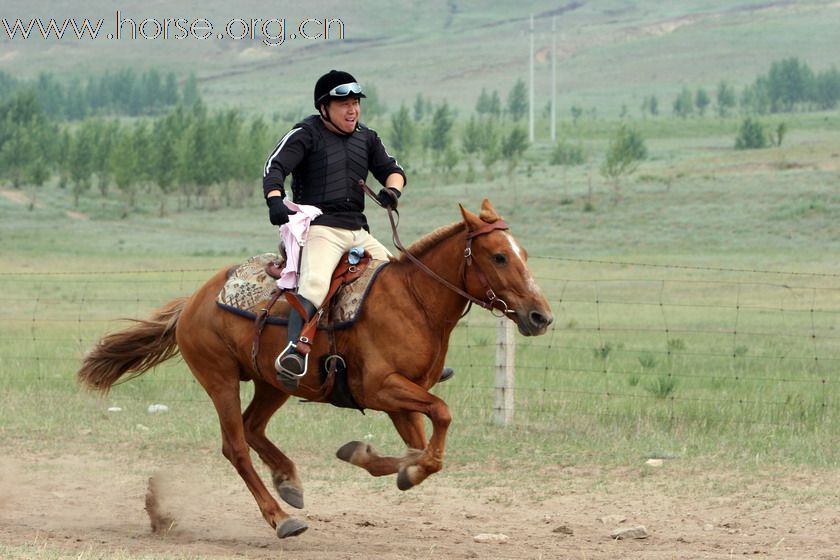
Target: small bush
(751, 136)
(567, 154)
(647, 360)
(603, 351)
(662, 386)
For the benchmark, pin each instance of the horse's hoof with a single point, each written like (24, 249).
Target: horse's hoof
(291, 527)
(291, 494)
(345, 452)
(404, 481)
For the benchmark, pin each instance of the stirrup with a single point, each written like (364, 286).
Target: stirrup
(291, 366)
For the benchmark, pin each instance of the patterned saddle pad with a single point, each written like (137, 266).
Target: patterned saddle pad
(248, 287)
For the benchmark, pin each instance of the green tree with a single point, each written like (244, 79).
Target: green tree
(781, 130)
(258, 135)
(166, 135)
(374, 106)
(403, 132)
(440, 133)
(789, 82)
(518, 101)
(449, 159)
(684, 103)
(495, 106)
(701, 101)
(827, 89)
(490, 144)
(482, 106)
(419, 107)
(755, 98)
(189, 91)
(624, 153)
(124, 163)
(471, 136)
(650, 105)
(513, 146)
(82, 159)
(565, 153)
(169, 95)
(20, 118)
(725, 98)
(153, 91)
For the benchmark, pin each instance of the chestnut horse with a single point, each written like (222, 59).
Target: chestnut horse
(394, 352)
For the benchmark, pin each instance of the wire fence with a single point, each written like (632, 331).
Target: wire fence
(641, 341)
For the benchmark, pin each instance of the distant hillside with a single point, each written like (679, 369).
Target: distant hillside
(610, 52)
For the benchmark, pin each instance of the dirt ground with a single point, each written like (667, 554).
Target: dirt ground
(72, 503)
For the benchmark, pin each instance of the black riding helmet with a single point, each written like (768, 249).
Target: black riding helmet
(336, 84)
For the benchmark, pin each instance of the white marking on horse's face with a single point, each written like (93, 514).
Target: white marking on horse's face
(517, 249)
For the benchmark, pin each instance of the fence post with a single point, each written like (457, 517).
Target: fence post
(505, 357)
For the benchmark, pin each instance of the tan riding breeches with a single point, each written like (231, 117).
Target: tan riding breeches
(320, 255)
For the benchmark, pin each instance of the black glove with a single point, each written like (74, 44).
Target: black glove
(388, 197)
(278, 214)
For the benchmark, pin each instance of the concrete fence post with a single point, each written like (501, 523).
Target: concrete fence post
(505, 358)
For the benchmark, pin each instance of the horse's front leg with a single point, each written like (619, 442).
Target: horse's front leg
(405, 402)
(265, 403)
(225, 397)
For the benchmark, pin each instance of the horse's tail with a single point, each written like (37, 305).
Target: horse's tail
(134, 350)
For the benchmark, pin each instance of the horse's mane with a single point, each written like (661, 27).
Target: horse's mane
(422, 245)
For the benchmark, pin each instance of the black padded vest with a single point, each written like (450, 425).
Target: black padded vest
(328, 177)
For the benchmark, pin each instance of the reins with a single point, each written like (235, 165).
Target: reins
(493, 303)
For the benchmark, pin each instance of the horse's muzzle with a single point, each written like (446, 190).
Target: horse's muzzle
(534, 322)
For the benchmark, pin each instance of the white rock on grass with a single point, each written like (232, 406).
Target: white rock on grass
(157, 408)
(491, 538)
(631, 533)
(114, 409)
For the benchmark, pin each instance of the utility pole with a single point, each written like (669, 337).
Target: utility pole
(531, 100)
(553, 79)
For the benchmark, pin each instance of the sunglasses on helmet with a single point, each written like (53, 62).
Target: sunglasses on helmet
(345, 89)
(342, 91)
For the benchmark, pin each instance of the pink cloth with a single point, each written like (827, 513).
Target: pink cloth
(293, 236)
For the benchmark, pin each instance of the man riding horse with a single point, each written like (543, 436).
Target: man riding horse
(327, 155)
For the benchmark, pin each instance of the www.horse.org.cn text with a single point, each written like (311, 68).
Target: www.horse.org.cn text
(272, 32)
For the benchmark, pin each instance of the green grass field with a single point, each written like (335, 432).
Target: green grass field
(729, 335)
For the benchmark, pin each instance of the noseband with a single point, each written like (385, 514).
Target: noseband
(494, 304)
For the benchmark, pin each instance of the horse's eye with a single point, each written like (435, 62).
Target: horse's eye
(499, 259)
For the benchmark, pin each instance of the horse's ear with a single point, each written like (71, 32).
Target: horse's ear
(488, 213)
(472, 221)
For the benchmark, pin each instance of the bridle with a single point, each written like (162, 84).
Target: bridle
(494, 304)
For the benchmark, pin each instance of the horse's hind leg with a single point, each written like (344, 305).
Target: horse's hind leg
(225, 395)
(267, 399)
(405, 401)
(410, 427)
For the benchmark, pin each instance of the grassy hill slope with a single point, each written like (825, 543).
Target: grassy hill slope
(610, 52)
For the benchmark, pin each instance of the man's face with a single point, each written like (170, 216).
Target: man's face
(344, 114)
